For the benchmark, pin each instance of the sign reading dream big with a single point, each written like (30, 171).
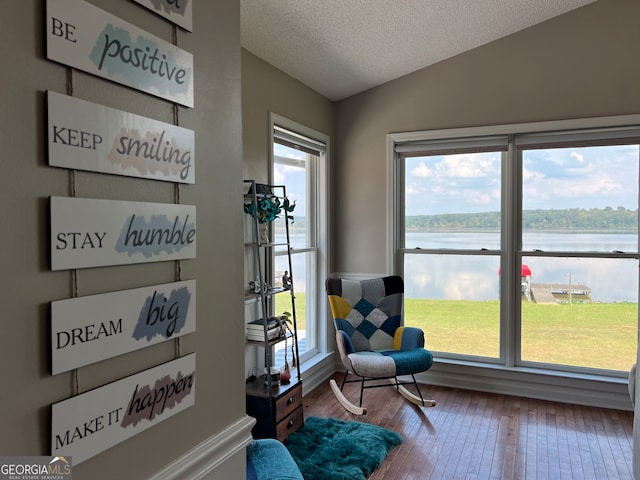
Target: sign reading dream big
(87, 232)
(87, 136)
(89, 329)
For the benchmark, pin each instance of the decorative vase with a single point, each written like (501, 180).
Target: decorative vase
(285, 374)
(263, 232)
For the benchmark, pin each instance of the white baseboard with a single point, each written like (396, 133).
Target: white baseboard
(593, 391)
(589, 390)
(199, 462)
(316, 372)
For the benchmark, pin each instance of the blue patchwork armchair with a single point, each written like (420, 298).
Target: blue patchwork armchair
(372, 340)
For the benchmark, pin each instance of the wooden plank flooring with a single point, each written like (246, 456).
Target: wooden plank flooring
(482, 436)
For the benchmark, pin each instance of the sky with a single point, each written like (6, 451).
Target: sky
(292, 177)
(581, 177)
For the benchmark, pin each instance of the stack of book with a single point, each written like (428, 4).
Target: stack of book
(255, 330)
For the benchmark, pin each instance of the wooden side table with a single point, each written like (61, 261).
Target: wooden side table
(278, 413)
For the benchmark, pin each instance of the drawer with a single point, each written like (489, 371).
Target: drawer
(290, 424)
(288, 402)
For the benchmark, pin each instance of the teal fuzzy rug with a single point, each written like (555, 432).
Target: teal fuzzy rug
(330, 449)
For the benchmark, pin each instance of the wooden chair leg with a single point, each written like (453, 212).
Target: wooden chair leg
(418, 400)
(350, 407)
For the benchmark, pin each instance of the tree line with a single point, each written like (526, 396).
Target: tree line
(608, 218)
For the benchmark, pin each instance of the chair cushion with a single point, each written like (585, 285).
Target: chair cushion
(409, 362)
(390, 363)
(372, 364)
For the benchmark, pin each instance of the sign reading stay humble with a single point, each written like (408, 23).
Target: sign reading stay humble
(179, 12)
(87, 232)
(85, 37)
(90, 423)
(89, 329)
(87, 136)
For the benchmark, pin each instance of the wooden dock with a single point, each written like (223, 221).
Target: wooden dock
(554, 293)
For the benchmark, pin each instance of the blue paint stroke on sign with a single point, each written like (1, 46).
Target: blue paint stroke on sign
(163, 316)
(156, 236)
(140, 62)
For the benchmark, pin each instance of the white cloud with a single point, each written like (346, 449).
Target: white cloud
(421, 171)
(578, 156)
(279, 176)
(466, 165)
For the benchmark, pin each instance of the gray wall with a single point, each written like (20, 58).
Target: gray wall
(28, 285)
(266, 89)
(582, 64)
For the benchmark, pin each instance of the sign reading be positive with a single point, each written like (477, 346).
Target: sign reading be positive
(85, 37)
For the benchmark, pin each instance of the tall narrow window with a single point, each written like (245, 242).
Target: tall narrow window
(298, 162)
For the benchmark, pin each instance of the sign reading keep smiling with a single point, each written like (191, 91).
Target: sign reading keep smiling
(87, 136)
(85, 37)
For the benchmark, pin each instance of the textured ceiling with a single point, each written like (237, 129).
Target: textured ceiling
(342, 47)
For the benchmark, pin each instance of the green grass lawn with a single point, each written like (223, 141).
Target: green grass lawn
(599, 335)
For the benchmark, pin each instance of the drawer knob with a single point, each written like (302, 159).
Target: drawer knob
(289, 400)
(290, 423)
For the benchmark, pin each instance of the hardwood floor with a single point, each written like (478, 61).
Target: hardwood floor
(479, 436)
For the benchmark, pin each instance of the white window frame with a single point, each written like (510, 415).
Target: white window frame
(320, 230)
(532, 381)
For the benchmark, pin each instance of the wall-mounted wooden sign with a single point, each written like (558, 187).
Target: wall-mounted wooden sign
(89, 329)
(90, 423)
(179, 12)
(87, 136)
(85, 37)
(87, 232)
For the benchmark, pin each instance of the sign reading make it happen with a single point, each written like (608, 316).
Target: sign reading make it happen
(85, 37)
(87, 136)
(89, 329)
(87, 232)
(90, 423)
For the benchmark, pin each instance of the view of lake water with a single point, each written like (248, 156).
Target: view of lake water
(476, 277)
(457, 277)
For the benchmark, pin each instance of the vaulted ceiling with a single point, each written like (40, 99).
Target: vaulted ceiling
(343, 47)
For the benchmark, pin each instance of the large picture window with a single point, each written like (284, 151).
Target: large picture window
(520, 247)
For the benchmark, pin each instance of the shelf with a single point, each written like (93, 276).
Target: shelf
(272, 291)
(275, 341)
(254, 244)
(278, 410)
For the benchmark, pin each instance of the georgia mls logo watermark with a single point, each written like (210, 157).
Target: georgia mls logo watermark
(35, 468)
